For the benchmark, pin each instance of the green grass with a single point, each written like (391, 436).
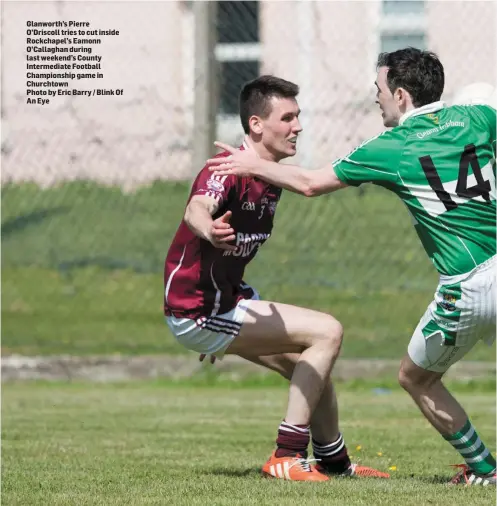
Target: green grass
(90, 311)
(356, 241)
(82, 268)
(158, 443)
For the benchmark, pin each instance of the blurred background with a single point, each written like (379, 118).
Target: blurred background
(93, 189)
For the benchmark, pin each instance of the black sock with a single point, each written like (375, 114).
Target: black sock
(332, 456)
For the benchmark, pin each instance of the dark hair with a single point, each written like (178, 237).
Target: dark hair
(255, 97)
(419, 72)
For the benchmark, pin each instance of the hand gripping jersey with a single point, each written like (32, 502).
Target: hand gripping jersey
(201, 280)
(441, 162)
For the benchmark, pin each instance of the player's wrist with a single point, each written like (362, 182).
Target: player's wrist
(201, 229)
(260, 167)
(207, 234)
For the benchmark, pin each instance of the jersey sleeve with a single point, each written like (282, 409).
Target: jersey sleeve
(374, 161)
(217, 187)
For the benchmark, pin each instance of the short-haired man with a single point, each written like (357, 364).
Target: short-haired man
(211, 310)
(441, 162)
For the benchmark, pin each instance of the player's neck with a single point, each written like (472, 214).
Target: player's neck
(259, 148)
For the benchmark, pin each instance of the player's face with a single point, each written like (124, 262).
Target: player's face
(388, 101)
(281, 128)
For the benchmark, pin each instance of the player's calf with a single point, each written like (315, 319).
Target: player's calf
(443, 411)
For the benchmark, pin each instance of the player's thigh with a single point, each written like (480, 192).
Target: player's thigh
(272, 327)
(282, 363)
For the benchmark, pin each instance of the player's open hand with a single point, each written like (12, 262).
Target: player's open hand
(238, 163)
(222, 233)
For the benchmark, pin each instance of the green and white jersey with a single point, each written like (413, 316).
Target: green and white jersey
(441, 162)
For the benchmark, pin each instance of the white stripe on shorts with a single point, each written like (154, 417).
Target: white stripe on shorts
(219, 325)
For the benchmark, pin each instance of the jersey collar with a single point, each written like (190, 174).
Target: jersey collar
(247, 145)
(425, 109)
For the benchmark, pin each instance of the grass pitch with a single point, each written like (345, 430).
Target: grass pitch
(159, 443)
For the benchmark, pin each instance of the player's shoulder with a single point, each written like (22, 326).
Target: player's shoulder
(386, 141)
(394, 136)
(206, 179)
(204, 172)
(222, 154)
(477, 111)
(380, 152)
(474, 108)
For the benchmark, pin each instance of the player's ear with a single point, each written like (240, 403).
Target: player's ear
(255, 124)
(401, 96)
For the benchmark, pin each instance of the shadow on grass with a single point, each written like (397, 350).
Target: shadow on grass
(433, 480)
(19, 223)
(256, 472)
(233, 473)
(108, 263)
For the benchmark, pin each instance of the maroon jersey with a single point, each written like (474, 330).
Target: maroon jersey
(201, 280)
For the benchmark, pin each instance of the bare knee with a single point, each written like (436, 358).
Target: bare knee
(336, 331)
(405, 381)
(416, 380)
(329, 333)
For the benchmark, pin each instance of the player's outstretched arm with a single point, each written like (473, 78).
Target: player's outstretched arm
(198, 217)
(246, 163)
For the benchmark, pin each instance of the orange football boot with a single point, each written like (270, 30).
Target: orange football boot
(294, 467)
(355, 470)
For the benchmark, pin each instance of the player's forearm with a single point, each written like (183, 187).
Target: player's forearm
(290, 177)
(198, 220)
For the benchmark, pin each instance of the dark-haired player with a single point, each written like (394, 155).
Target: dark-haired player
(211, 310)
(441, 162)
